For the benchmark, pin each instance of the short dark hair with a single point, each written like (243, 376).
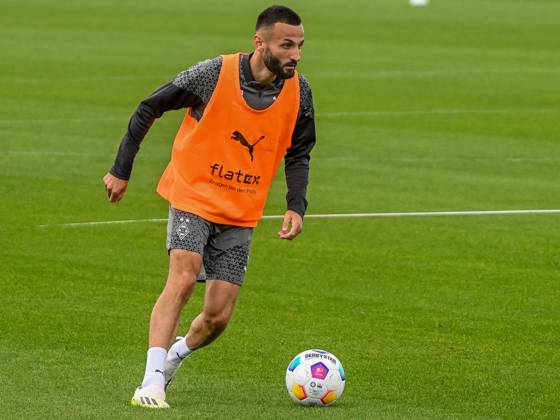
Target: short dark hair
(274, 14)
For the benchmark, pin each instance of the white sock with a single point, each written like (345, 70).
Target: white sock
(179, 351)
(154, 367)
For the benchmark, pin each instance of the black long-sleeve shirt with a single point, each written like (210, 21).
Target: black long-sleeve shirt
(193, 88)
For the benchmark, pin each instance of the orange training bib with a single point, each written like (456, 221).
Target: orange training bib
(222, 166)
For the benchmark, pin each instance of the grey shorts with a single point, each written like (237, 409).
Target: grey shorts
(224, 248)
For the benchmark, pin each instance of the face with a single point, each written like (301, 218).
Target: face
(282, 49)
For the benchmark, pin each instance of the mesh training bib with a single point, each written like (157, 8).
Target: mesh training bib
(222, 166)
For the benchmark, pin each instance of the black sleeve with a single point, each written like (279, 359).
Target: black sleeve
(164, 99)
(192, 88)
(296, 161)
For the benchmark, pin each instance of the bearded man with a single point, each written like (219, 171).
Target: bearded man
(245, 112)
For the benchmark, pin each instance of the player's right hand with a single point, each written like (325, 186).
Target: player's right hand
(114, 187)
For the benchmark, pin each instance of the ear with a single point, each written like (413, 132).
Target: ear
(258, 42)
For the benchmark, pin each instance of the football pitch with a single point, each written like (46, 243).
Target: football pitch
(450, 107)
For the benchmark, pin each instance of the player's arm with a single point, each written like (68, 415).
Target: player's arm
(166, 98)
(296, 165)
(191, 88)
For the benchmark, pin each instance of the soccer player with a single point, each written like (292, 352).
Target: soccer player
(245, 112)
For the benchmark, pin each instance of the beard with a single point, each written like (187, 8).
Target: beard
(274, 65)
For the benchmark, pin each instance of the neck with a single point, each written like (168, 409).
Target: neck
(259, 70)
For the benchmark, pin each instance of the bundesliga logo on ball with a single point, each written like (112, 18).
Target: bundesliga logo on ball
(315, 377)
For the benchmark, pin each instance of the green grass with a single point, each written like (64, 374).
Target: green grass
(449, 107)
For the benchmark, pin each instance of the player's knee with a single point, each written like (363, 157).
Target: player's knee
(185, 277)
(180, 284)
(216, 322)
(183, 268)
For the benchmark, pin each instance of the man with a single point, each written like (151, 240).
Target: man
(244, 113)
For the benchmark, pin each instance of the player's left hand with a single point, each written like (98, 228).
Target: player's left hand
(292, 226)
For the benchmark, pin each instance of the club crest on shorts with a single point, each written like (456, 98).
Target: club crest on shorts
(183, 229)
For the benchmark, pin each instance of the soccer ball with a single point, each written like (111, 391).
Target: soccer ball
(315, 377)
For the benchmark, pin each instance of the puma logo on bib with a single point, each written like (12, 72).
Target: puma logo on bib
(237, 136)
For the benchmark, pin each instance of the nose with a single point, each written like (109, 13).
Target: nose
(296, 55)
